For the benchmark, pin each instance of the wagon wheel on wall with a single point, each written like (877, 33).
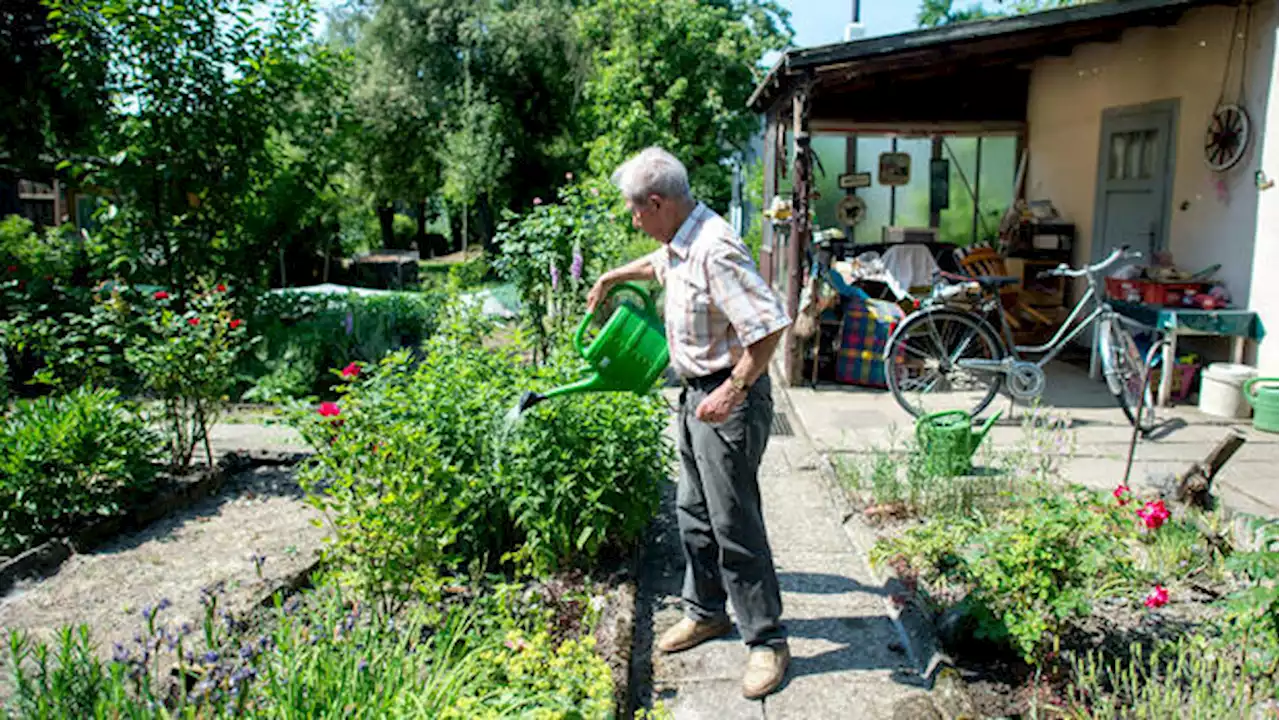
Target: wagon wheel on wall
(1226, 138)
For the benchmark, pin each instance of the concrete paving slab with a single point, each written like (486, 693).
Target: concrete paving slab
(709, 700)
(797, 527)
(836, 579)
(815, 696)
(237, 437)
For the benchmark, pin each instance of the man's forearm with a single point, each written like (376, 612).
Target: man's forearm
(755, 361)
(639, 269)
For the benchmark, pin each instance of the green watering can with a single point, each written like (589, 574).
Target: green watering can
(1264, 400)
(949, 440)
(629, 353)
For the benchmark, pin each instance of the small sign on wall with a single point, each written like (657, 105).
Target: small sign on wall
(895, 168)
(853, 181)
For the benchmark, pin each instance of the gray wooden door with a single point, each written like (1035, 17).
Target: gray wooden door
(1135, 179)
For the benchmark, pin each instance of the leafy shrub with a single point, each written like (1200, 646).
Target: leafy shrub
(185, 359)
(67, 458)
(552, 252)
(319, 654)
(417, 467)
(1250, 625)
(303, 335)
(1029, 569)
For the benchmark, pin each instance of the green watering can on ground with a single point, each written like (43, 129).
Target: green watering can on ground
(629, 353)
(949, 440)
(1264, 395)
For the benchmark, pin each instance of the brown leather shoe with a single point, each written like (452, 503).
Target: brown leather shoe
(766, 666)
(690, 633)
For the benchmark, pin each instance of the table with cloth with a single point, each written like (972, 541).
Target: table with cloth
(1240, 325)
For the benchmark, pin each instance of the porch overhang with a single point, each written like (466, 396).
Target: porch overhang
(966, 72)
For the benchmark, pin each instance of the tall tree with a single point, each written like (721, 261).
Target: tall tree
(42, 118)
(198, 89)
(678, 78)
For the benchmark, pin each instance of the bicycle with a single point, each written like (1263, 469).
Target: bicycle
(943, 358)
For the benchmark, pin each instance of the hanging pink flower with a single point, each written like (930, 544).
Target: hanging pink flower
(329, 409)
(351, 371)
(1154, 514)
(537, 201)
(568, 176)
(1158, 597)
(1122, 494)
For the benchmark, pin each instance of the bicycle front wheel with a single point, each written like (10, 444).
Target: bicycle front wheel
(922, 363)
(1124, 368)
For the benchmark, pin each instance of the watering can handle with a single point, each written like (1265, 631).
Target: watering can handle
(578, 337)
(924, 421)
(1252, 397)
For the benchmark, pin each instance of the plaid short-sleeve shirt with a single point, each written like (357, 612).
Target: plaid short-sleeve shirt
(717, 304)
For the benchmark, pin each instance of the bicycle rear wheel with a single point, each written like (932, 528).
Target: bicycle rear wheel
(921, 363)
(1124, 368)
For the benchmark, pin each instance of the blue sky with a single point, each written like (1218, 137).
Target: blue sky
(821, 22)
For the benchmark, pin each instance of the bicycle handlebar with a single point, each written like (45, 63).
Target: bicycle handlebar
(1121, 253)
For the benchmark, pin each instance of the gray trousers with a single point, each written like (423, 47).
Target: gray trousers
(726, 548)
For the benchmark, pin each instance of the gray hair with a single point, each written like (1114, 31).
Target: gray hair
(652, 171)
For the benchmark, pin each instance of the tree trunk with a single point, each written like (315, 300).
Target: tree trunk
(422, 226)
(466, 212)
(485, 216)
(386, 218)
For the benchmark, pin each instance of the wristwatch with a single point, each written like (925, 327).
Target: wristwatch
(738, 383)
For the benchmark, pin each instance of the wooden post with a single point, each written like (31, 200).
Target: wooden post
(800, 227)
(767, 245)
(1195, 483)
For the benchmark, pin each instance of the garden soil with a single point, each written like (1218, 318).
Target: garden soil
(260, 512)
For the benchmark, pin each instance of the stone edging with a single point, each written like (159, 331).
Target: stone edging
(934, 669)
(186, 491)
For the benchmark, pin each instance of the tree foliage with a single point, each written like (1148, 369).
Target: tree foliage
(677, 74)
(207, 96)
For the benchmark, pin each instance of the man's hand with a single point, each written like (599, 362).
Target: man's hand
(715, 408)
(599, 290)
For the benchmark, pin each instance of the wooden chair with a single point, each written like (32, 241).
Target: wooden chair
(986, 262)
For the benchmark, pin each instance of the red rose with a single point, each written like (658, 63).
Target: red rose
(236, 323)
(351, 371)
(13, 268)
(193, 321)
(1158, 597)
(221, 288)
(161, 295)
(329, 409)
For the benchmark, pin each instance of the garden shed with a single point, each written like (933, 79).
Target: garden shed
(1121, 119)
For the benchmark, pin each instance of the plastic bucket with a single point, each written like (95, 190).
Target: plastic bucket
(1222, 390)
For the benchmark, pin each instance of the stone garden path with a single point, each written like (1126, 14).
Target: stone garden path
(849, 658)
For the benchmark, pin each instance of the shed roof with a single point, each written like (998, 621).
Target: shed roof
(945, 49)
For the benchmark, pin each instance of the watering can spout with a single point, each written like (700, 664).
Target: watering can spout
(529, 399)
(981, 434)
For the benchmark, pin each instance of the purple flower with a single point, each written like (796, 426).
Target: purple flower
(575, 270)
(555, 276)
(211, 657)
(119, 654)
(364, 665)
(349, 322)
(164, 604)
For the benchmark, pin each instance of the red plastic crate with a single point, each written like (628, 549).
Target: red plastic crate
(1151, 292)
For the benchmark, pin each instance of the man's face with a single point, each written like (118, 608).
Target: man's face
(647, 216)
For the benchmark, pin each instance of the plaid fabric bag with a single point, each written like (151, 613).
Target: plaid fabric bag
(864, 333)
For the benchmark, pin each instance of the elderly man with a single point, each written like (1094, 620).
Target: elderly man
(723, 323)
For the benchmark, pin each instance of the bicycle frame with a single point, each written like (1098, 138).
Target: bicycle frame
(1069, 330)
